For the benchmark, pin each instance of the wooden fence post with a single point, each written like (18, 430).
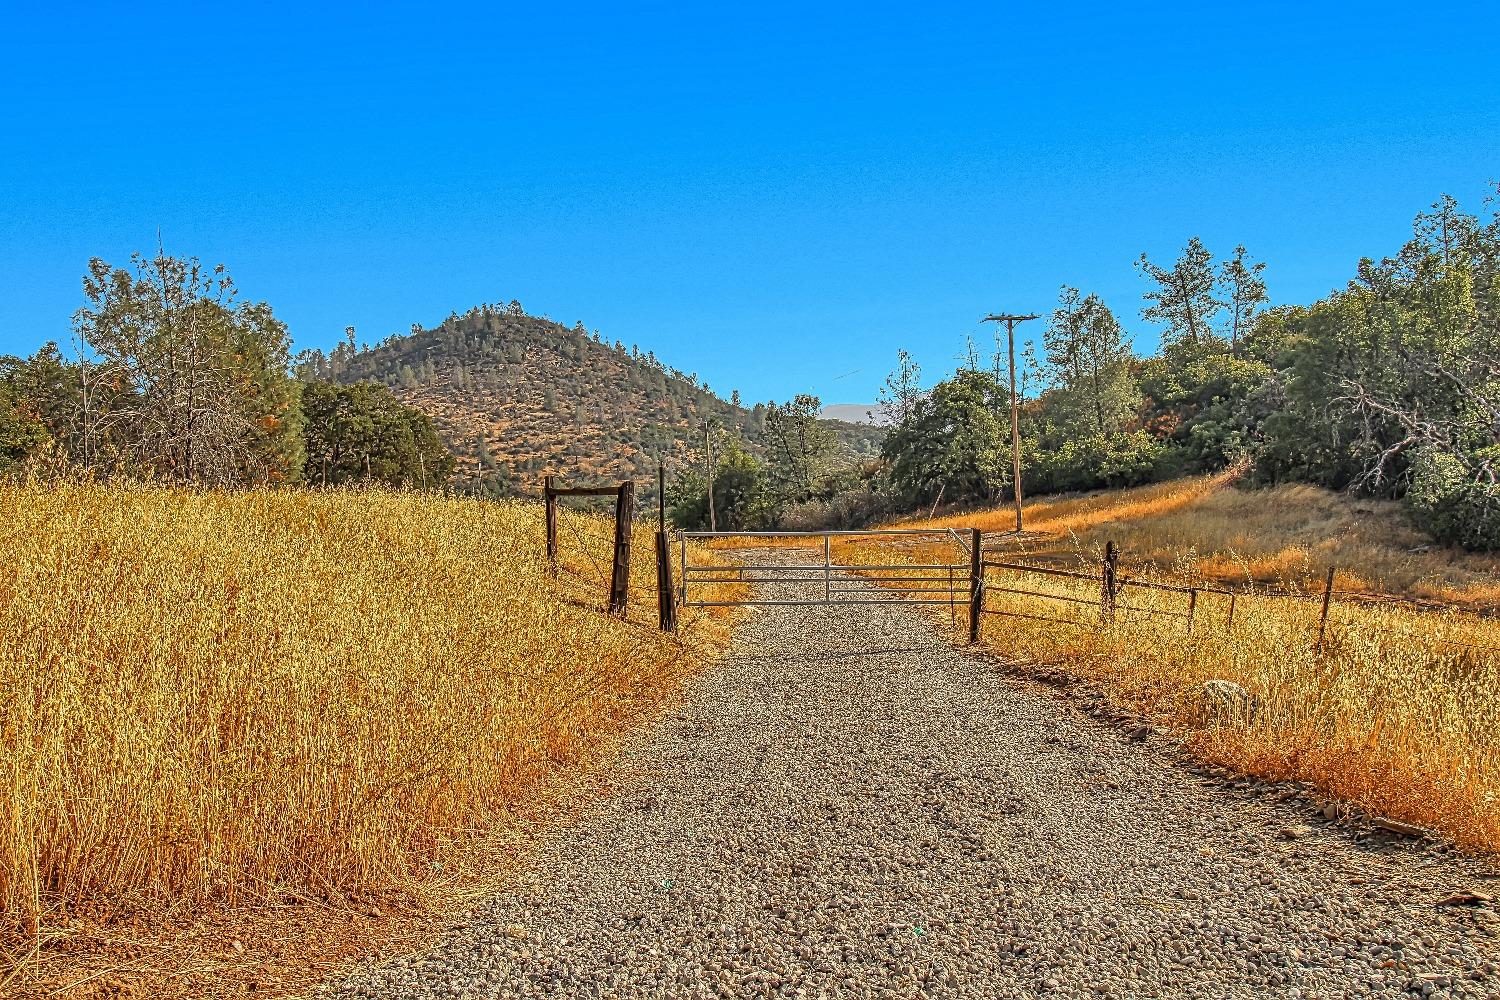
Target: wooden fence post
(976, 582)
(1192, 607)
(661, 496)
(666, 597)
(1107, 582)
(619, 579)
(551, 497)
(1323, 618)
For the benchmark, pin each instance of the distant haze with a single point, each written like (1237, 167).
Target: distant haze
(858, 413)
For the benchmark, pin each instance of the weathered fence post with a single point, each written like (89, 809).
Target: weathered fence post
(976, 582)
(1192, 607)
(1107, 582)
(551, 498)
(1229, 625)
(619, 578)
(666, 598)
(1323, 618)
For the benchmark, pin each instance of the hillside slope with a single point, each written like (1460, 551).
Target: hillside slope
(1208, 530)
(517, 396)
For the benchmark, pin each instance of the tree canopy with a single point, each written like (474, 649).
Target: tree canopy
(361, 432)
(1390, 386)
(181, 379)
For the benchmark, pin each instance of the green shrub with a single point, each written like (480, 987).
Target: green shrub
(1099, 460)
(1448, 501)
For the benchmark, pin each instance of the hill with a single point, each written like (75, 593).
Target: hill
(517, 396)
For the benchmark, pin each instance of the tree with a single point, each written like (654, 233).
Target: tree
(21, 433)
(1243, 291)
(362, 432)
(1392, 385)
(799, 447)
(740, 497)
(45, 389)
(1090, 364)
(1198, 398)
(180, 379)
(953, 443)
(902, 391)
(1183, 298)
(485, 456)
(1083, 431)
(1448, 233)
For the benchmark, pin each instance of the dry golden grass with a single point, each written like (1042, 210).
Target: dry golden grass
(1060, 516)
(1207, 530)
(219, 699)
(1400, 712)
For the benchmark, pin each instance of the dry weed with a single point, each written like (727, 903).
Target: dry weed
(213, 699)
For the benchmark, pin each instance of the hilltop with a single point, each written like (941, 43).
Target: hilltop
(516, 396)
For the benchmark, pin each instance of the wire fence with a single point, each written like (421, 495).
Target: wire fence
(1101, 596)
(1105, 599)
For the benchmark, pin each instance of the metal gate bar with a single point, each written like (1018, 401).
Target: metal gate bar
(871, 576)
(818, 568)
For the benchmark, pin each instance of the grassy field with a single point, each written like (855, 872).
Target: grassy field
(1206, 530)
(268, 699)
(1399, 713)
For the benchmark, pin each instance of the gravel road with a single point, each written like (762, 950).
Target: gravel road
(847, 806)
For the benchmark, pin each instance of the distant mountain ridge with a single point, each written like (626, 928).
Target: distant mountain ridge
(516, 397)
(873, 414)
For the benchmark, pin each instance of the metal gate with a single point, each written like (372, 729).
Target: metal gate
(957, 583)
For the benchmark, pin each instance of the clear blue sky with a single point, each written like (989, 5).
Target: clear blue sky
(770, 195)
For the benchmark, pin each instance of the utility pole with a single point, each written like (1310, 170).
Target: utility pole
(1010, 320)
(708, 444)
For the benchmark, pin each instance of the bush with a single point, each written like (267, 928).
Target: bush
(20, 434)
(1098, 460)
(851, 508)
(1447, 501)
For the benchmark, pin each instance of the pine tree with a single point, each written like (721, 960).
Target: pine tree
(1244, 292)
(1184, 297)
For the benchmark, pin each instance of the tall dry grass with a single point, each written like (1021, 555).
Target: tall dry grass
(213, 697)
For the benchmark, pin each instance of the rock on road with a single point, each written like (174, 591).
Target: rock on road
(847, 806)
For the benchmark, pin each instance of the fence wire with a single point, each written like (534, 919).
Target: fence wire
(1021, 584)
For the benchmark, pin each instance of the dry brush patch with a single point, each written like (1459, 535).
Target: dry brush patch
(214, 700)
(1063, 516)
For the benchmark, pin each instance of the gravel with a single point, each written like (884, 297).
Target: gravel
(848, 806)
